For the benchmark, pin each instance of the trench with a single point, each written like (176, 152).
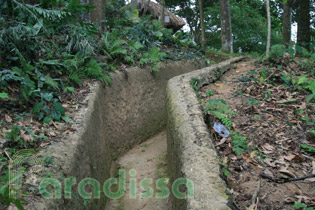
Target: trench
(123, 127)
(148, 160)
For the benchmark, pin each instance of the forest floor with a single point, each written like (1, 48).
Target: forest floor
(272, 114)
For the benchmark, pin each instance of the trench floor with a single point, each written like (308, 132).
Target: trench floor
(148, 160)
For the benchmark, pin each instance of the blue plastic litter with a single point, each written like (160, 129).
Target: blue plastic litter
(221, 129)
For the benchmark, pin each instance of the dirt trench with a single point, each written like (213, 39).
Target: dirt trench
(148, 161)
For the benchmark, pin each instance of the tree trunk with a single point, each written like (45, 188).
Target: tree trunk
(202, 25)
(286, 22)
(163, 13)
(226, 26)
(303, 21)
(269, 29)
(98, 13)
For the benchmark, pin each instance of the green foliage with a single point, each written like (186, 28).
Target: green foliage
(210, 93)
(307, 148)
(31, 45)
(253, 101)
(298, 205)
(5, 191)
(239, 144)
(224, 118)
(249, 25)
(220, 109)
(49, 109)
(277, 50)
(194, 82)
(218, 105)
(4, 95)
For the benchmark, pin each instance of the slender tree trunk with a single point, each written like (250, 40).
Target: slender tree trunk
(98, 13)
(303, 21)
(226, 26)
(269, 29)
(286, 22)
(202, 25)
(163, 13)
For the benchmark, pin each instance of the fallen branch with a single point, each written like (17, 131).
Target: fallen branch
(254, 197)
(278, 180)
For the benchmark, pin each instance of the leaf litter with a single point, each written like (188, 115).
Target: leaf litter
(273, 114)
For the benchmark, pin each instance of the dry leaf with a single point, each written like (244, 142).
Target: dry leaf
(12, 207)
(221, 142)
(268, 172)
(289, 157)
(27, 138)
(219, 84)
(286, 172)
(269, 162)
(246, 157)
(252, 154)
(7, 118)
(225, 160)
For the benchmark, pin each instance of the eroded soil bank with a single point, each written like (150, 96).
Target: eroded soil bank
(148, 161)
(266, 115)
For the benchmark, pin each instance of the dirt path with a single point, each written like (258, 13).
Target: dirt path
(149, 161)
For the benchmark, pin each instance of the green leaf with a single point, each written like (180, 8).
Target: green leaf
(67, 119)
(307, 148)
(210, 93)
(59, 108)
(4, 95)
(226, 173)
(47, 96)
(138, 45)
(47, 119)
(37, 107)
(55, 114)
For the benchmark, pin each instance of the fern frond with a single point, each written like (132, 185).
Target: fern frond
(51, 82)
(225, 119)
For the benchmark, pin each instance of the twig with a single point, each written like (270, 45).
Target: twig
(278, 180)
(254, 197)
(5, 152)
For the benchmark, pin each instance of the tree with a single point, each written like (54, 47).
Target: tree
(286, 22)
(203, 31)
(162, 18)
(269, 29)
(303, 21)
(98, 13)
(226, 26)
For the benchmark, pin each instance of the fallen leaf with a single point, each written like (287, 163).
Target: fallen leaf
(268, 172)
(7, 118)
(286, 172)
(313, 166)
(269, 162)
(289, 157)
(253, 154)
(27, 138)
(218, 84)
(223, 140)
(149, 159)
(246, 157)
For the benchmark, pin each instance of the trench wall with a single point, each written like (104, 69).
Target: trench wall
(191, 153)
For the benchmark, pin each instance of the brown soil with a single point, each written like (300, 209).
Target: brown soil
(149, 161)
(273, 132)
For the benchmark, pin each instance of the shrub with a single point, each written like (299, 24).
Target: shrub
(277, 50)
